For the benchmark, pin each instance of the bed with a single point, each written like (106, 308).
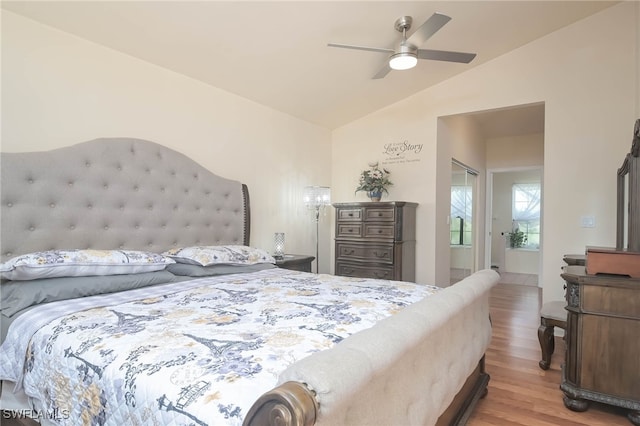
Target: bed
(177, 339)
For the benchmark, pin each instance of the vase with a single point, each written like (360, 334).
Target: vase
(375, 195)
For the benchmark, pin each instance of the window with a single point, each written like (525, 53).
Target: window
(526, 212)
(460, 226)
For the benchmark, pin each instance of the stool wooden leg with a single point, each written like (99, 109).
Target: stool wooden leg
(547, 344)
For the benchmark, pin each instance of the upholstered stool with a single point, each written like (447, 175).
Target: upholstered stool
(552, 315)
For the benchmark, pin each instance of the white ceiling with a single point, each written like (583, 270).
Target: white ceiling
(276, 54)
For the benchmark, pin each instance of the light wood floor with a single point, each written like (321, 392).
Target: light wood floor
(520, 393)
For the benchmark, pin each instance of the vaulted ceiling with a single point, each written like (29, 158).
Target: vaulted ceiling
(276, 53)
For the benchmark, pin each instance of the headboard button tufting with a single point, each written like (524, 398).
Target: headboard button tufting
(105, 209)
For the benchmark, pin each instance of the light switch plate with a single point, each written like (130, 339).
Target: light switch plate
(588, 221)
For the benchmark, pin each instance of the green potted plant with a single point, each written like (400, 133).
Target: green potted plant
(374, 181)
(517, 239)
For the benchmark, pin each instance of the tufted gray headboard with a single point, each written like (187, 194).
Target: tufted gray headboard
(115, 193)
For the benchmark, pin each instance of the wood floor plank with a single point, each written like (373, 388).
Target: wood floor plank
(520, 392)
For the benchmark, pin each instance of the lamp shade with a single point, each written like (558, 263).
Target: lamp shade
(403, 61)
(317, 196)
(278, 245)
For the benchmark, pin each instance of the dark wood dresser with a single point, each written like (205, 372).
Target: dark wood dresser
(603, 341)
(376, 240)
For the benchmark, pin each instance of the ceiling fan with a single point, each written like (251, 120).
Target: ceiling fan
(407, 52)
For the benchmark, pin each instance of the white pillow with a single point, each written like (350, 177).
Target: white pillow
(81, 263)
(216, 255)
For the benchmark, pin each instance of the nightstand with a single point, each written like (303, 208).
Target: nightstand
(295, 262)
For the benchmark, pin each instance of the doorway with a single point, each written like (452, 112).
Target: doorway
(489, 140)
(515, 229)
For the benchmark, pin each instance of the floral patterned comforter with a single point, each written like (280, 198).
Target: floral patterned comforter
(196, 353)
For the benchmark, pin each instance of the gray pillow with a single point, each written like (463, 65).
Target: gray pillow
(18, 295)
(186, 269)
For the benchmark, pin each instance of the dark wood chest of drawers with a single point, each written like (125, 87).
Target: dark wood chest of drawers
(603, 341)
(376, 240)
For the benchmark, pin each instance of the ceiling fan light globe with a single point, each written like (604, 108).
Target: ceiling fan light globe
(402, 61)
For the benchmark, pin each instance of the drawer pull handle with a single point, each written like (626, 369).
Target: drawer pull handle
(350, 215)
(350, 251)
(379, 231)
(350, 230)
(385, 254)
(379, 214)
(380, 274)
(348, 271)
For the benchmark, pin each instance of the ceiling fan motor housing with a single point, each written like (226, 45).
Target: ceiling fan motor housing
(406, 55)
(403, 23)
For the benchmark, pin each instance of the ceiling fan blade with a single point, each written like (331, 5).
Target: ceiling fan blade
(371, 49)
(444, 55)
(429, 28)
(383, 71)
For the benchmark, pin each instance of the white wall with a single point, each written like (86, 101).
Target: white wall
(515, 151)
(59, 90)
(521, 261)
(587, 76)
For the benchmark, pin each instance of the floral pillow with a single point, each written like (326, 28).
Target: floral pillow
(81, 263)
(216, 255)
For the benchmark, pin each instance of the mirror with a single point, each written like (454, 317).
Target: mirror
(628, 197)
(461, 221)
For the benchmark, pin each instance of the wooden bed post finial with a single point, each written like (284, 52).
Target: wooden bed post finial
(290, 404)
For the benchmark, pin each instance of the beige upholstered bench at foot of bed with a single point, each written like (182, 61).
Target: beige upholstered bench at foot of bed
(421, 366)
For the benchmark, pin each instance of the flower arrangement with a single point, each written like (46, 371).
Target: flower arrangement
(374, 179)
